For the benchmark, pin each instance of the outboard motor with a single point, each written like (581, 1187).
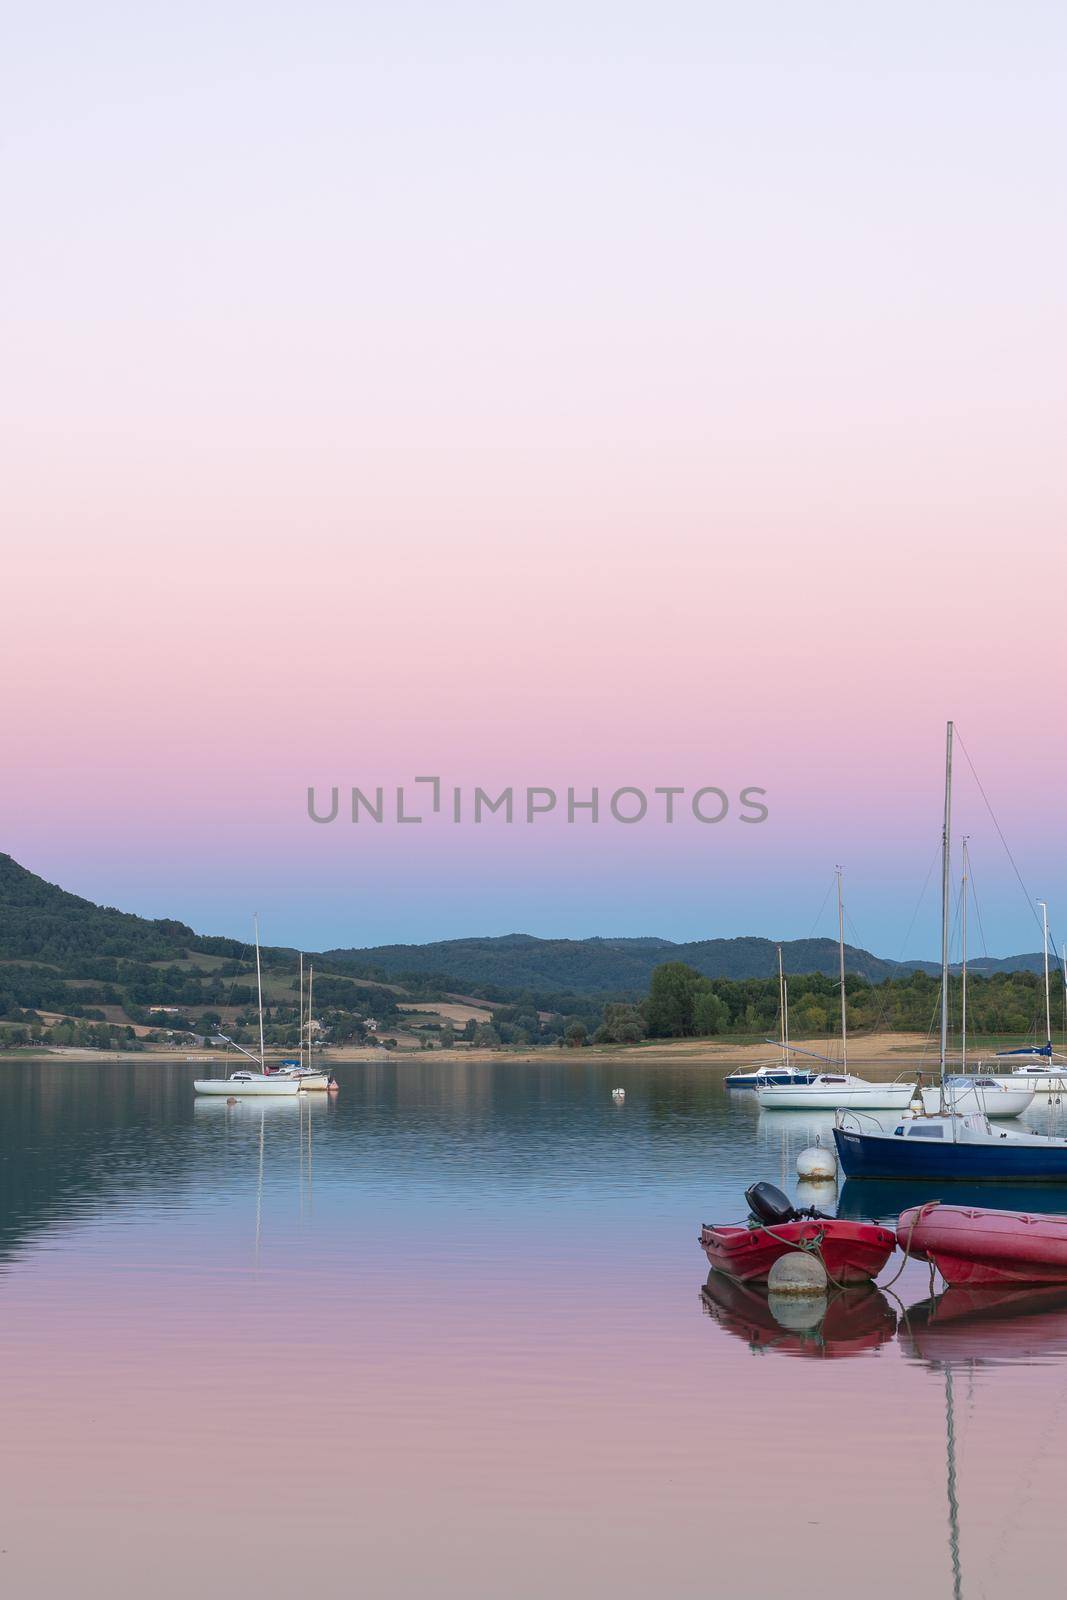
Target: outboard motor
(769, 1205)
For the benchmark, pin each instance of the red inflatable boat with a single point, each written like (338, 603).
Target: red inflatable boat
(852, 1252)
(970, 1245)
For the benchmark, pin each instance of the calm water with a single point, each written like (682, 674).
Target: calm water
(444, 1336)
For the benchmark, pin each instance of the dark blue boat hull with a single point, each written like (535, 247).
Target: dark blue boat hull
(781, 1079)
(864, 1155)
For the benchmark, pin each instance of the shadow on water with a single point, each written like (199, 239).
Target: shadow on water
(882, 1200)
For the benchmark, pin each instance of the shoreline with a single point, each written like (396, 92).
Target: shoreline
(895, 1052)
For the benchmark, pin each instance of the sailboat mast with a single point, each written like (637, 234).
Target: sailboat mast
(963, 957)
(946, 850)
(259, 988)
(785, 1014)
(781, 1010)
(300, 1024)
(841, 955)
(1044, 951)
(311, 983)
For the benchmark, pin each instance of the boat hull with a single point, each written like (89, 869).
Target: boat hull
(271, 1086)
(887, 1156)
(853, 1252)
(995, 1103)
(878, 1097)
(763, 1080)
(973, 1246)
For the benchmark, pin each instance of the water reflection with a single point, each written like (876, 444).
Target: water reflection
(496, 1271)
(883, 1199)
(963, 1329)
(990, 1327)
(847, 1322)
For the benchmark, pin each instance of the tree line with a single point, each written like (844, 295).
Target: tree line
(682, 1004)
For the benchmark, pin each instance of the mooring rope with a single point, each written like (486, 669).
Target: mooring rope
(813, 1246)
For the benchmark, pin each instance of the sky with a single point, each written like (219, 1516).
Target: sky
(560, 396)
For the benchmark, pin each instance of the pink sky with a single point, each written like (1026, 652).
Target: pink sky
(627, 400)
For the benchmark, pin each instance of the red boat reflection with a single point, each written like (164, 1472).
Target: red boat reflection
(848, 1322)
(990, 1326)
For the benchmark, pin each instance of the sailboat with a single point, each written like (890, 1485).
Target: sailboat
(245, 1082)
(1039, 1069)
(953, 1144)
(997, 1097)
(785, 1073)
(309, 1077)
(827, 1091)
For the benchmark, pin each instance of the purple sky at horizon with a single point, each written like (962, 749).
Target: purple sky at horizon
(568, 397)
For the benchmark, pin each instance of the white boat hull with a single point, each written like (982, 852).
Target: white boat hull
(1043, 1081)
(247, 1086)
(1004, 1100)
(816, 1097)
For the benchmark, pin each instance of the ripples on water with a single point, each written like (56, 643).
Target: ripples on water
(448, 1334)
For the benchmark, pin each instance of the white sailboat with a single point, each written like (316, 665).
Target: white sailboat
(785, 1073)
(1041, 1070)
(984, 1092)
(953, 1143)
(245, 1082)
(308, 1076)
(826, 1091)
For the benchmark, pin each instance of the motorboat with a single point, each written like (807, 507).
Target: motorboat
(975, 1246)
(852, 1252)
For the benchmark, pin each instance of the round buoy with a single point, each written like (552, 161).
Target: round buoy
(797, 1313)
(798, 1273)
(618, 1095)
(231, 1099)
(817, 1163)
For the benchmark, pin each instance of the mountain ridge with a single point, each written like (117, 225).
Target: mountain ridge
(42, 922)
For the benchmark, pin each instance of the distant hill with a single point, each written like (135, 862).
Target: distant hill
(43, 924)
(518, 961)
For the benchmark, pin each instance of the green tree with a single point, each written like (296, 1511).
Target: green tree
(622, 1024)
(710, 1014)
(671, 997)
(576, 1035)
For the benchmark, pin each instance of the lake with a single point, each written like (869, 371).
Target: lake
(443, 1335)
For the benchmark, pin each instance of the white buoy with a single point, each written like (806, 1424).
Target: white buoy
(618, 1095)
(799, 1272)
(817, 1164)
